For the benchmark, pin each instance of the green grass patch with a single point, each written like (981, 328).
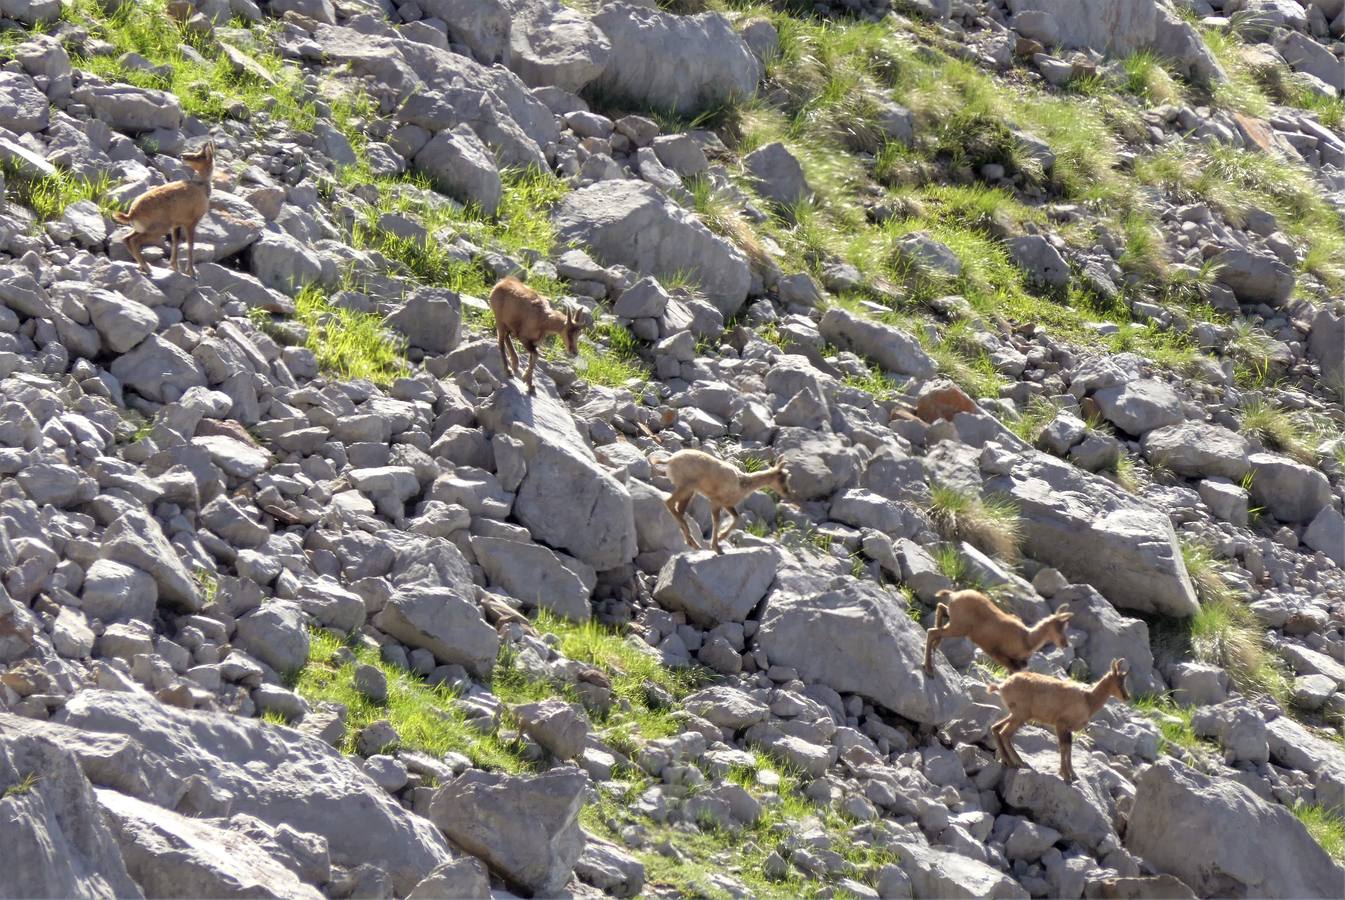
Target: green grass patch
(990, 524)
(1326, 827)
(423, 715)
(1278, 430)
(1149, 76)
(21, 787)
(1173, 722)
(348, 344)
(212, 90)
(49, 196)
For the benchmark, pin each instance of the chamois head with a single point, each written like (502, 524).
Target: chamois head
(1113, 684)
(774, 478)
(1053, 626)
(574, 326)
(202, 160)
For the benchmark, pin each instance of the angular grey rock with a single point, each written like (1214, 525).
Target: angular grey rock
(928, 257)
(1327, 534)
(1198, 450)
(462, 879)
(942, 873)
(606, 867)
(632, 224)
(1110, 636)
(1326, 343)
(727, 707)
(444, 622)
(566, 499)
(115, 592)
(684, 63)
(1098, 534)
(276, 634)
(56, 845)
(1254, 277)
(778, 175)
(23, 108)
(552, 44)
(891, 348)
(858, 639)
(284, 263)
(1081, 811)
(1289, 491)
(131, 109)
(526, 829)
(539, 577)
(481, 25)
(430, 318)
(1223, 840)
(716, 588)
(1138, 407)
(158, 370)
(309, 786)
(460, 165)
(1238, 727)
(1039, 260)
(170, 855)
(558, 726)
(136, 539)
(121, 322)
(1306, 55)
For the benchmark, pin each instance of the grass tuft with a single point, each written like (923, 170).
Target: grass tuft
(990, 524)
(348, 344)
(1326, 827)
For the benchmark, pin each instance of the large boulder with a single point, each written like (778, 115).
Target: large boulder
(1082, 810)
(893, 349)
(171, 855)
(934, 872)
(430, 318)
(716, 588)
(1094, 532)
(307, 784)
(778, 175)
(158, 370)
(566, 499)
(525, 828)
(1290, 491)
(1110, 636)
(480, 25)
(1223, 840)
(551, 44)
(1138, 407)
(1198, 450)
(631, 223)
(136, 539)
(444, 621)
(460, 165)
(687, 64)
(56, 844)
(537, 576)
(1326, 343)
(856, 638)
(1254, 277)
(1040, 261)
(130, 109)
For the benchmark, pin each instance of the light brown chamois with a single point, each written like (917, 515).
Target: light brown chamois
(1002, 635)
(170, 209)
(1056, 703)
(520, 312)
(694, 472)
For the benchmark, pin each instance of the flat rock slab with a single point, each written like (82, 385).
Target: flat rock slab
(276, 774)
(715, 588)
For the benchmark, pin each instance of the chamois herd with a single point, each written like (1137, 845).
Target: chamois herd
(175, 210)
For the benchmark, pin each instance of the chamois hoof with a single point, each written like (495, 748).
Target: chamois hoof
(929, 671)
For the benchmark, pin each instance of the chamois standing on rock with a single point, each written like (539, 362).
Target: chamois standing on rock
(172, 209)
(1002, 636)
(520, 312)
(695, 472)
(1056, 703)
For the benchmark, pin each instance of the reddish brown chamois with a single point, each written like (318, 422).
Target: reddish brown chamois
(173, 209)
(1002, 635)
(520, 312)
(1055, 703)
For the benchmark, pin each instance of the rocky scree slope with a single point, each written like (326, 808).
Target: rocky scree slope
(301, 596)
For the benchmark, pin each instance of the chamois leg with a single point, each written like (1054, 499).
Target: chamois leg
(714, 527)
(532, 364)
(935, 637)
(506, 347)
(1007, 734)
(1004, 755)
(1008, 662)
(191, 249)
(733, 523)
(1004, 731)
(173, 245)
(133, 242)
(677, 505)
(1066, 740)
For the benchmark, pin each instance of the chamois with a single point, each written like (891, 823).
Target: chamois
(723, 484)
(520, 312)
(1055, 703)
(1002, 636)
(172, 208)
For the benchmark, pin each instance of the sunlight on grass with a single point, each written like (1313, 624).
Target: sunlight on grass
(1326, 827)
(348, 344)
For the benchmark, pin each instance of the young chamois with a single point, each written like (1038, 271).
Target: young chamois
(170, 209)
(1003, 636)
(694, 472)
(1055, 703)
(520, 312)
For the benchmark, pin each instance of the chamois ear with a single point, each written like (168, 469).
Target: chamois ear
(569, 316)
(1063, 618)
